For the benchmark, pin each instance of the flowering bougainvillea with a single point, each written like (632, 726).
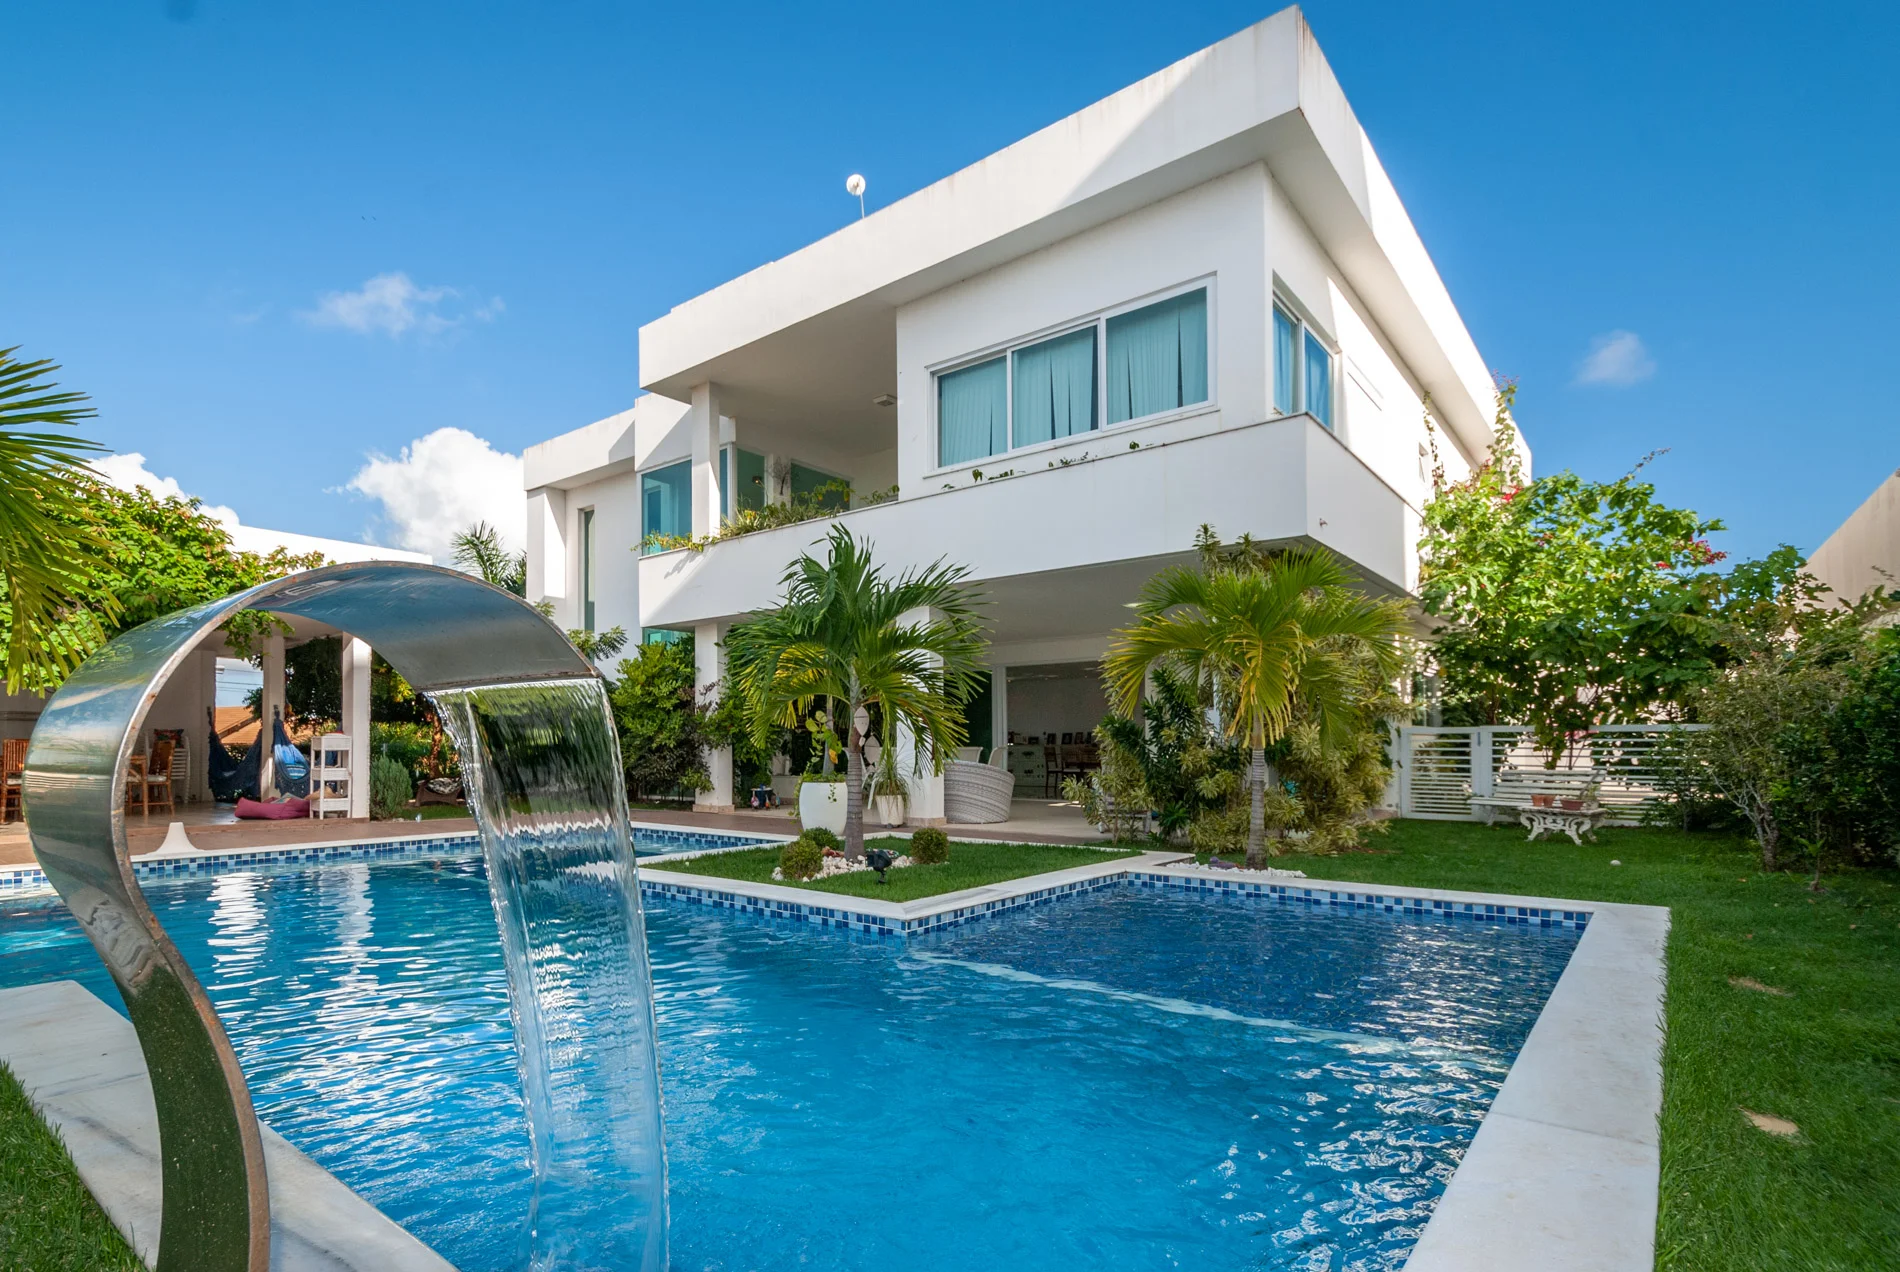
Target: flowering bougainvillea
(1564, 603)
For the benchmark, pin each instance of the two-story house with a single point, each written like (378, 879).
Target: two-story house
(1198, 301)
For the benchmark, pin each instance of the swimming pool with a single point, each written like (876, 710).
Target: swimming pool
(1127, 1078)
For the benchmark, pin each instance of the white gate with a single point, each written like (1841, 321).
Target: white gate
(1439, 771)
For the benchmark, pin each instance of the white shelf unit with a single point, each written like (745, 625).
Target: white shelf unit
(330, 775)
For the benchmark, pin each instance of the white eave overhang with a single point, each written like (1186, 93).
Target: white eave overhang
(1265, 94)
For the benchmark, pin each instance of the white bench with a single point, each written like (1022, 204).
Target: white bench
(1546, 800)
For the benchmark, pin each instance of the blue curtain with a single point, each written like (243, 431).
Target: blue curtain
(1319, 381)
(1286, 365)
(973, 412)
(1157, 357)
(1055, 388)
(666, 500)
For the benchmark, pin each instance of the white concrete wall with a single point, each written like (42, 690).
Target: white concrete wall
(1283, 479)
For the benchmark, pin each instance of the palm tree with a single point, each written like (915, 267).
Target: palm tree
(1274, 635)
(43, 553)
(839, 635)
(480, 551)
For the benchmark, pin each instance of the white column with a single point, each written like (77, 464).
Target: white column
(709, 656)
(271, 706)
(999, 706)
(356, 666)
(778, 491)
(926, 786)
(704, 423)
(547, 548)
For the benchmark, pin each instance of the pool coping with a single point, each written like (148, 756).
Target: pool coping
(30, 880)
(84, 1072)
(1564, 1169)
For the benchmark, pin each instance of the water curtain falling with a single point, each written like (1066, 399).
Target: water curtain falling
(542, 766)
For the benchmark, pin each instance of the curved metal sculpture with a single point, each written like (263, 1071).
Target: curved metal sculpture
(443, 631)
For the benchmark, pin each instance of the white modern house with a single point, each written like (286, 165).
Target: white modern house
(1198, 301)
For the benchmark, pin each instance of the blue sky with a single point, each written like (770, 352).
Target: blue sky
(199, 192)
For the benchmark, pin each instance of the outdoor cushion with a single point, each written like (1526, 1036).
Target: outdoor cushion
(287, 810)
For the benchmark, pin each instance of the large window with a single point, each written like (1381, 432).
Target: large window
(1302, 369)
(666, 502)
(1138, 363)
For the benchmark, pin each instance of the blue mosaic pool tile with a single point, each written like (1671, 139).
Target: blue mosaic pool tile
(1424, 907)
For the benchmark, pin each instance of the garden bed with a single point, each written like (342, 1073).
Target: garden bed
(971, 865)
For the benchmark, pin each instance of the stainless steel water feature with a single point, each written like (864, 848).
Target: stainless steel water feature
(445, 632)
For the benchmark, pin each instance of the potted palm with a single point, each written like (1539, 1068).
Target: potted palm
(885, 787)
(821, 802)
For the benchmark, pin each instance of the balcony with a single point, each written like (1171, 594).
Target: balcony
(1059, 551)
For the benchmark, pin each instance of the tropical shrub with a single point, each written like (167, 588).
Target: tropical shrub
(802, 859)
(1802, 739)
(823, 838)
(1277, 637)
(841, 639)
(663, 734)
(929, 847)
(389, 787)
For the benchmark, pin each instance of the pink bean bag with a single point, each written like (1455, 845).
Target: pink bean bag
(285, 811)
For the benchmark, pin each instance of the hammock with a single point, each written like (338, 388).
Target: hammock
(293, 767)
(231, 778)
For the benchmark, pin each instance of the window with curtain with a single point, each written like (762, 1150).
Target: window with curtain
(1319, 381)
(1286, 361)
(973, 412)
(1302, 369)
(1054, 388)
(666, 501)
(1157, 357)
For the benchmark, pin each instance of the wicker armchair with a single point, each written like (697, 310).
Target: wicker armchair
(978, 794)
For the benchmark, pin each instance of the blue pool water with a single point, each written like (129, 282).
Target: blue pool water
(1126, 1079)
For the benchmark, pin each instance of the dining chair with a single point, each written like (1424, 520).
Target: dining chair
(158, 775)
(13, 774)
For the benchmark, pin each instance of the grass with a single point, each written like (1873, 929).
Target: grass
(972, 864)
(1824, 1055)
(48, 1221)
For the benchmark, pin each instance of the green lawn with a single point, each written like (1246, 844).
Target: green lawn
(971, 865)
(1826, 1056)
(48, 1221)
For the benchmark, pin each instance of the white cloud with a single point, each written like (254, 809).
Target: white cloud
(128, 472)
(392, 304)
(1617, 359)
(443, 483)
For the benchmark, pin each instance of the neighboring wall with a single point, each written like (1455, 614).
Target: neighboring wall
(1865, 551)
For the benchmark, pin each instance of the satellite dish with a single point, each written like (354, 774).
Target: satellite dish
(854, 185)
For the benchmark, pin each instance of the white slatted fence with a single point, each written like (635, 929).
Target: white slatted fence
(1438, 771)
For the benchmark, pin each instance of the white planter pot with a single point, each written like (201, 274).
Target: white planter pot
(890, 810)
(822, 804)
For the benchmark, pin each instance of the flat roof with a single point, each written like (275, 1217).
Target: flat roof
(1264, 94)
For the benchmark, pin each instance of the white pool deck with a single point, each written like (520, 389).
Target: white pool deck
(80, 1064)
(1561, 1176)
